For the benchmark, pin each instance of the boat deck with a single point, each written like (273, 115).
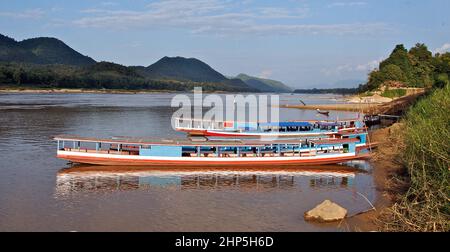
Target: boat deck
(187, 142)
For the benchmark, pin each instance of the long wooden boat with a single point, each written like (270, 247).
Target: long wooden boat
(290, 129)
(143, 152)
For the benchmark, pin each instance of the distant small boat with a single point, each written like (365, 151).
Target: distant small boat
(327, 113)
(371, 120)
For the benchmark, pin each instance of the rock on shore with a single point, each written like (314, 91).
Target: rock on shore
(326, 211)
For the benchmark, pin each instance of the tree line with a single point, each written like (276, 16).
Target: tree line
(103, 75)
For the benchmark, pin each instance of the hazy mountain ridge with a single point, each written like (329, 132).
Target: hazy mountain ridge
(264, 85)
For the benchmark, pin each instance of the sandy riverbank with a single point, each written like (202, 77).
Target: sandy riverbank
(392, 107)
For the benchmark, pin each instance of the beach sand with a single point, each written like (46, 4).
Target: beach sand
(377, 106)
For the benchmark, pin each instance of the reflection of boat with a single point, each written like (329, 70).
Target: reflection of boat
(142, 152)
(96, 178)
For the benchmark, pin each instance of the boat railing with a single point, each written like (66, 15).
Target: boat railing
(255, 149)
(193, 123)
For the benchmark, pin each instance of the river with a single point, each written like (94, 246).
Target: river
(39, 192)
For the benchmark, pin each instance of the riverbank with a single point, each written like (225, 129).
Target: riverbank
(411, 170)
(80, 91)
(386, 164)
(392, 107)
(95, 91)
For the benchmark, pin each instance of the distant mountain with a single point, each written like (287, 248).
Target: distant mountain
(264, 85)
(183, 69)
(41, 51)
(188, 70)
(49, 62)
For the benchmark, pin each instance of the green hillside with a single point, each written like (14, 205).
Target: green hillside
(50, 63)
(40, 51)
(183, 69)
(189, 70)
(414, 68)
(264, 85)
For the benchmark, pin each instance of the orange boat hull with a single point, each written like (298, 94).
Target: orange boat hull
(206, 163)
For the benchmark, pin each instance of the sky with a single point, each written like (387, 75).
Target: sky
(304, 43)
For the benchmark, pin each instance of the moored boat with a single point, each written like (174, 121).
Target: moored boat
(289, 129)
(143, 152)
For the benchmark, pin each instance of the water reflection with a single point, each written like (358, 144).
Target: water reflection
(112, 178)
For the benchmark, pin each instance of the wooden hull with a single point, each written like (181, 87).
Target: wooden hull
(249, 134)
(134, 160)
(192, 169)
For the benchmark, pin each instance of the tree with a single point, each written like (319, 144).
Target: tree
(422, 61)
(18, 75)
(442, 63)
(392, 72)
(400, 58)
(441, 80)
(421, 53)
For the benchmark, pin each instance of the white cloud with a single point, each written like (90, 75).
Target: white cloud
(265, 74)
(219, 17)
(283, 13)
(444, 48)
(109, 3)
(369, 66)
(26, 14)
(346, 4)
(350, 68)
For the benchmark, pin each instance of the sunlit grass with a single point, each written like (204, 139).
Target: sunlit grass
(426, 204)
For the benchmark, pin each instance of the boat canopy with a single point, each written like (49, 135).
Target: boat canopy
(285, 124)
(210, 143)
(330, 124)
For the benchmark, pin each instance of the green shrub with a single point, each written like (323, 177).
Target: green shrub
(393, 93)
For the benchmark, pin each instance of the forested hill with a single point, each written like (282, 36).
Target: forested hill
(416, 67)
(265, 85)
(183, 69)
(413, 68)
(41, 51)
(188, 70)
(50, 63)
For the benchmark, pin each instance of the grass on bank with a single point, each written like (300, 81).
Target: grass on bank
(426, 204)
(393, 93)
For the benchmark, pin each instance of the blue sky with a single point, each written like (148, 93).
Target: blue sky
(303, 43)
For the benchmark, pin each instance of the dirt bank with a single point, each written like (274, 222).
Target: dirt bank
(386, 165)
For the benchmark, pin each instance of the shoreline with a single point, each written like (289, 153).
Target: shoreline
(350, 107)
(394, 107)
(81, 91)
(385, 165)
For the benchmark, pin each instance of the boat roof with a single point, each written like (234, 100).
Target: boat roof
(187, 142)
(326, 123)
(335, 141)
(304, 121)
(285, 124)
